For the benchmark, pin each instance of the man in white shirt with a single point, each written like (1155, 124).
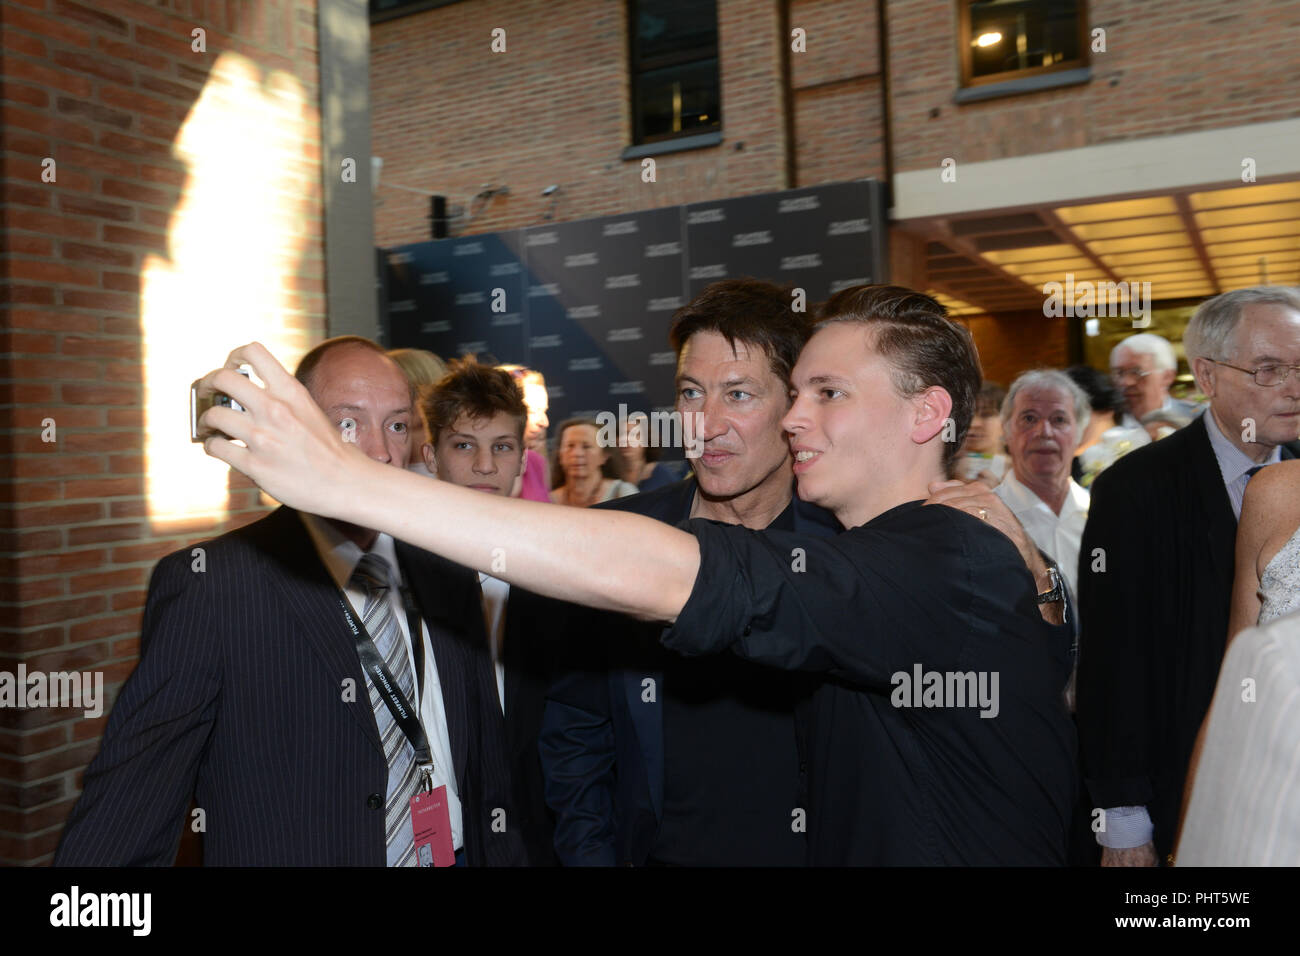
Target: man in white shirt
(1044, 417)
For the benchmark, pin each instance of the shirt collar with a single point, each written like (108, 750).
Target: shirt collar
(341, 556)
(1021, 497)
(1233, 462)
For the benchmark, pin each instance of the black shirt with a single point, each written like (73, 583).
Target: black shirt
(915, 591)
(731, 761)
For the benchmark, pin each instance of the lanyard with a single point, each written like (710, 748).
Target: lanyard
(406, 716)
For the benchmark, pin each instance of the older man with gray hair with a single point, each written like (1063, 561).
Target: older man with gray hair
(1155, 579)
(1143, 367)
(1044, 417)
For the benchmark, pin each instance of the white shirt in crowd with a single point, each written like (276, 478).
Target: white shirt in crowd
(1057, 536)
(341, 558)
(495, 594)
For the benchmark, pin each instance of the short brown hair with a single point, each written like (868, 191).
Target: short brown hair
(307, 365)
(470, 388)
(922, 347)
(751, 311)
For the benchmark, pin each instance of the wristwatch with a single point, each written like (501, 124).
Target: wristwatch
(1057, 591)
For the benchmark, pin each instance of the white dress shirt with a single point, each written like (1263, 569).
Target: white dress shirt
(1234, 463)
(495, 594)
(1057, 536)
(341, 558)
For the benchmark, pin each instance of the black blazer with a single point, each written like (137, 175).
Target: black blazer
(1154, 620)
(239, 702)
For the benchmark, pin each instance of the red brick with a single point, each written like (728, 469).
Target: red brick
(108, 581)
(101, 394)
(90, 728)
(57, 515)
(136, 102)
(58, 465)
(34, 270)
(49, 224)
(46, 27)
(24, 343)
(22, 43)
(175, 44)
(65, 416)
(100, 533)
(126, 51)
(122, 235)
(27, 541)
(124, 600)
(22, 745)
(27, 294)
(111, 301)
(34, 820)
(101, 347)
(114, 626)
(29, 245)
(25, 492)
(133, 145)
(99, 488)
(21, 117)
(82, 657)
(81, 252)
(30, 95)
(98, 66)
(150, 551)
(121, 281)
(45, 76)
(128, 647)
(96, 19)
(183, 92)
(28, 144)
(71, 758)
(79, 206)
(65, 610)
(138, 193)
(163, 174)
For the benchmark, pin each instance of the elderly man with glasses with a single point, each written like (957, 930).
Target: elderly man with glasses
(1156, 568)
(1143, 367)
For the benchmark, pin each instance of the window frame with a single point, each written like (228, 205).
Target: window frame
(969, 82)
(638, 66)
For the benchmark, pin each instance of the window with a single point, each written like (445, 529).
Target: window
(381, 10)
(1003, 40)
(674, 66)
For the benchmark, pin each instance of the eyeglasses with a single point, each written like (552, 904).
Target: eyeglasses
(1266, 376)
(1131, 374)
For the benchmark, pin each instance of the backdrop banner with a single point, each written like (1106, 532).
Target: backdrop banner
(588, 303)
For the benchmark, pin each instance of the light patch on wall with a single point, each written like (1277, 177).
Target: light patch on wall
(234, 242)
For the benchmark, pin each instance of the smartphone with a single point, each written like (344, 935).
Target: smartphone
(200, 405)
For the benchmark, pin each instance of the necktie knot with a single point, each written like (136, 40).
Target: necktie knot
(372, 572)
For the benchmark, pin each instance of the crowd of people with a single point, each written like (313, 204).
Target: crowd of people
(912, 617)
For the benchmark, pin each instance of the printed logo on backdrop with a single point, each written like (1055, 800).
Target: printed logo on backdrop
(663, 249)
(623, 227)
(435, 278)
(544, 289)
(630, 334)
(799, 204)
(840, 284)
(545, 342)
(592, 364)
(401, 305)
(470, 298)
(811, 260)
(472, 348)
(715, 271)
(581, 259)
(468, 249)
(400, 258)
(541, 238)
(435, 327)
(622, 282)
(848, 227)
(761, 238)
(671, 304)
(699, 216)
(503, 269)
(584, 312)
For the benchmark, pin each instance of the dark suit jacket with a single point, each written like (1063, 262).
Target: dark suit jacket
(602, 749)
(238, 702)
(1155, 620)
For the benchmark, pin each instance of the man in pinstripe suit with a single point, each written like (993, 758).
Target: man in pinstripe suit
(250, 698)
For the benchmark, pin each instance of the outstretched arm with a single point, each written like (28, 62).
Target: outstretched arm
(604, 559)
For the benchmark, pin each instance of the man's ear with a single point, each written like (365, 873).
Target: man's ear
(1167, 376)
(933, 410)
(1205, 371)
(430, 462)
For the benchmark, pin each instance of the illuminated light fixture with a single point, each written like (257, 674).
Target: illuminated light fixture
(1092, 328)
(987, 39)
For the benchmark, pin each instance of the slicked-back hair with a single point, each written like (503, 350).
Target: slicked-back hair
(751, 311)
(475, 390)
(307, 365)
(922, 347)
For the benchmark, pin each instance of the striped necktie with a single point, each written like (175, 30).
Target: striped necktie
(373, 577)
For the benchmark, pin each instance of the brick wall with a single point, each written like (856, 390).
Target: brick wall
(103, 88)
(450, 116)
(1169, 67)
